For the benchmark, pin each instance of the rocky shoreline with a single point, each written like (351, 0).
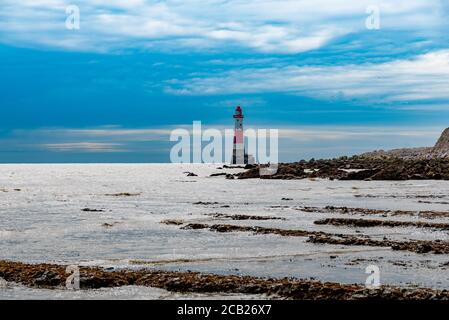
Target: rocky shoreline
(417, 246)
(357, 168)
(367, 223)
(431, 163)
(427, 214)
(52, 276)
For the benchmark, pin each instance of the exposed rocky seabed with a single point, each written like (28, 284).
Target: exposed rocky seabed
(357, 168)
(159, 232)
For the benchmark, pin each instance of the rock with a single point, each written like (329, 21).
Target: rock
(230, 176)
(218, 174)
(360, 175)
(233, 167)
(360, 168)
(123, 194)
(291, 288)
(92, 210)
(250, 174)
(205, 203)
(250, 166)
(191, 174)
(47, 278)
(243, 217)
(416, 176)
(195, 226)
(172, 222)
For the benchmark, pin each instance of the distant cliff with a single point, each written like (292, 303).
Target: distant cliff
(440, 150)
(442, 146)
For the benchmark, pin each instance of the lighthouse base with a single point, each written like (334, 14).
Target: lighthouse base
(246, 159)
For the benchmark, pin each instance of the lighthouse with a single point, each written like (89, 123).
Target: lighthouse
(238, 154)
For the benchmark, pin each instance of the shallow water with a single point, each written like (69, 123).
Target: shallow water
(19, 292)
(41, 220)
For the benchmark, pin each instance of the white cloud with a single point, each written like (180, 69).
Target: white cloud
(420, 78)
(115, 133)
(351, 133)
(99, 139)
(281, 26)
(84, 147)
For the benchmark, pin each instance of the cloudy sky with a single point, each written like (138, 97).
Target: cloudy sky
(319, 71)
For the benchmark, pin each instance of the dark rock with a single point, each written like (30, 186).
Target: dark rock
(172, 222)
(108, 225)
(369, 169)
(47, 278)
(250, 174)
(194, 226)
(218, 174)
(360, 175)
(291, 288)
(205, 203)
(191, 174)
(123, 194)
(92, 210)
(366, 223)
(250, 166)
(244, 217)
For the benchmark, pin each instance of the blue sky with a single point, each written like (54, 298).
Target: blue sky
(113, 90)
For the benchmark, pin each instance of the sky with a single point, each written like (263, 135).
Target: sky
(335, 77)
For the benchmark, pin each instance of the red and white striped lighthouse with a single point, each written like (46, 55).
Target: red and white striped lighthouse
(238, 155)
